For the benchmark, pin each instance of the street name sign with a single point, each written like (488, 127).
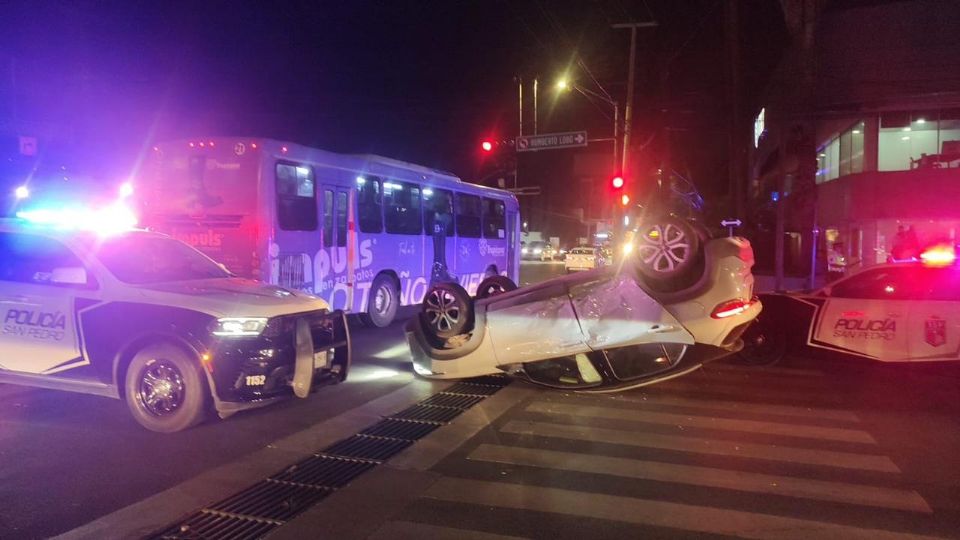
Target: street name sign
(551, 141)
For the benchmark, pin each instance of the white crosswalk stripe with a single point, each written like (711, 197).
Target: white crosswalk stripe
(699, 445)
(650, 512)
(740, 406)
(896, 499)
(405, 530)
(709, 422)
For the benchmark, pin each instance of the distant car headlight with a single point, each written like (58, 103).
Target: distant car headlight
(239, 326)
(524, 251)
(537, 251)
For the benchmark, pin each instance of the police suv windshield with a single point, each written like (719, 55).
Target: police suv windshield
(141, 259)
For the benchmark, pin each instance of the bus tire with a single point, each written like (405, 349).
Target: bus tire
(165, 389)
(447, 310)
(382, 304)
(495, 285)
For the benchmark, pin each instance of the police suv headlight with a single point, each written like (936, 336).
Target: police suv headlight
(239, 326)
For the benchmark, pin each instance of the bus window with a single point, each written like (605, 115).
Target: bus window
(327, 218)
(437, 201)
(468, 215)
(402, 208)
(296, 198)
(341, 218)
(369, 201)
(494, 219)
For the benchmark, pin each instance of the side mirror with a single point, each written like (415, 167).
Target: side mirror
(70, 275)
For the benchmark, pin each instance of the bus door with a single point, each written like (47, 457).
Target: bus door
(294, 239)
(440, 240)
(513, 243)
(470, 266)
(331, 263)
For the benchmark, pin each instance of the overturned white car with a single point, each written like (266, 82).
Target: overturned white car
(608, 329)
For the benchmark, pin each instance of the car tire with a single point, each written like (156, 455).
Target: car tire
(764, 343)
(447, 310)
(382, 304)
(165, 389)
(669, 253)
(495, 285)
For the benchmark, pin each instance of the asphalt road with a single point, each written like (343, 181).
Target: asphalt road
(711, 444)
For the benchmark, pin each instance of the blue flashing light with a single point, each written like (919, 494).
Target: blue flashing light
(774, 196)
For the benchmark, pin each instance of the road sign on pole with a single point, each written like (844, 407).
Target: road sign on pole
(730, 224)
(551, 141)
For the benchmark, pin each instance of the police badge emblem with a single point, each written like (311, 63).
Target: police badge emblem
(935, 331)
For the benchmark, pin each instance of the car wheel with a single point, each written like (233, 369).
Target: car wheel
(669, 252)
(764, 343)
(495, 285)
(382, 305)
(447, 310)
(164, 388)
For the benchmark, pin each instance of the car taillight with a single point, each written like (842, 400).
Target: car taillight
(731, 308)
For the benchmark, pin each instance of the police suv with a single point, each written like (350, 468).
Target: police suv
(901, 312)
(145, 318)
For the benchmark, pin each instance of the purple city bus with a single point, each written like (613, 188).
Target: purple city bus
(364, 232)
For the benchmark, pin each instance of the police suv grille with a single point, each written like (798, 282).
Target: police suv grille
(268, 504)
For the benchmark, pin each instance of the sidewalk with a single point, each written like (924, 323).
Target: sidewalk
(730, 450)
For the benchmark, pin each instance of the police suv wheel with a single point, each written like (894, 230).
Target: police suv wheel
(164, 388)
(382, 304)
(764, 343)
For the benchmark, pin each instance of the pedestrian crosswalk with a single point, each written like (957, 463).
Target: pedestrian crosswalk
(669, 462)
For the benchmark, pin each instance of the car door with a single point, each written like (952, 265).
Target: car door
(934, 324)
(867, 314)
(39, 281)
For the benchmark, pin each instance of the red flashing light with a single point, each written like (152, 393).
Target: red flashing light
(731, 308)
(941, 255)
(617, 182)
(487, 146)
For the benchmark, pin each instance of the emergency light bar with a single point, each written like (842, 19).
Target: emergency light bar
(940, 255)
(109, 220)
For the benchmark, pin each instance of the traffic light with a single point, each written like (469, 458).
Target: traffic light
(617, 182)
(487, 146)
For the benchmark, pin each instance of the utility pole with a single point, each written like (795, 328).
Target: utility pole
(535, 92)
(628, 113)
(520, 101)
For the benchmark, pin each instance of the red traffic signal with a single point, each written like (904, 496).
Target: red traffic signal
(617, 182)
(487, 146)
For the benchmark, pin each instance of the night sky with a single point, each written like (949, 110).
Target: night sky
(423, 81)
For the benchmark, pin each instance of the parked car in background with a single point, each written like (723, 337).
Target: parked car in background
(582, 258)
(533, 251)
(549, 253)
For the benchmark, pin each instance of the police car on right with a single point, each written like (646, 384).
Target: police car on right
(897, 312)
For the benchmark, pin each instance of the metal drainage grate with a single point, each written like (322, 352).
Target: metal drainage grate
(272, 499)
(401, 429)
(457, 401)
(426, 413)
(367, 447)
(214, 525)
(471, 389)
(270, 503)
(326, 471)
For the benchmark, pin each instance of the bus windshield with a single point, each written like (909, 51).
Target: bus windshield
(143, 259)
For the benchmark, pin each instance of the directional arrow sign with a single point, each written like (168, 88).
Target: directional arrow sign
(551, 141)
(731, 223)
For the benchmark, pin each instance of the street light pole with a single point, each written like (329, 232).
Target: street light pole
(535, 92)
(628, 115)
